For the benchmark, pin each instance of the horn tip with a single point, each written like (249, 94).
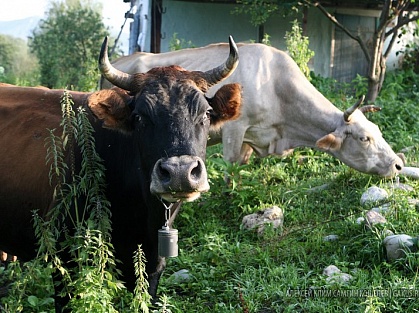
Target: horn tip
(103, 49)
(233, 47)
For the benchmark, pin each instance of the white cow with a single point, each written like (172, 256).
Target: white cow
(281, 109)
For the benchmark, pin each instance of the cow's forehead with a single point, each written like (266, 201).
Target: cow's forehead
(175, 73)
(359, 123)
(171, 96)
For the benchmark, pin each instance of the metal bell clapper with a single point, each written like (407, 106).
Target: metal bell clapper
(168, 242)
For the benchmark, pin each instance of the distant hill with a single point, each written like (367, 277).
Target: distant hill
(19, 28)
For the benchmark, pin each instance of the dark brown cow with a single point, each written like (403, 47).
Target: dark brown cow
(151, 133)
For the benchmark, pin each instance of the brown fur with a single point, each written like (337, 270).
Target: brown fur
(227, 100)
(111, 107)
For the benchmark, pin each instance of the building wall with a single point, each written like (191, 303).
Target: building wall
(319, 31)
(206, 23)
(203, 23)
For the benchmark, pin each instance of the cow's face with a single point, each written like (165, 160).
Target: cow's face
(359, 143)
(172, 119)
(169, 117)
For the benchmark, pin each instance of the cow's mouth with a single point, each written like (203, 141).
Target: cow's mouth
(180, 196)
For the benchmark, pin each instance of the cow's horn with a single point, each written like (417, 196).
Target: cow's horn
(115, 76)
(223, 71)
(347, 114)
(369, 108)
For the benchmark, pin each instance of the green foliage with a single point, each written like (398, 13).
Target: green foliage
(142, 299)
(236, 270)
(178, 44)
(411, 53)
(17, 65)
(26, 294)
(91, 281)
(297, 46)
(266, 40)
(67, 43)
(261, 10)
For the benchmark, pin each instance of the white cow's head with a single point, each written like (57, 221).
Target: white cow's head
(358, 143)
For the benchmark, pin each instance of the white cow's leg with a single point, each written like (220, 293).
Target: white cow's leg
(232, 139)
(245, 153)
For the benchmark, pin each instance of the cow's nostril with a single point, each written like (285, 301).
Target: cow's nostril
(164, 174)
(196, 172)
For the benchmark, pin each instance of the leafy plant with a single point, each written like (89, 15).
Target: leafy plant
(178, 44)
(78, 226)
(297, 46)
(236, 270)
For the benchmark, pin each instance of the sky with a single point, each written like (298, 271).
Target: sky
(113, 11)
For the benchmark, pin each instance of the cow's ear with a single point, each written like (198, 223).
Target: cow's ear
(226, 104)
(111, 106)
(330, 142)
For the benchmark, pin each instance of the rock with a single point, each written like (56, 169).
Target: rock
(331, 238)
(400, 186)
(331, 270)
(373, 218)
(273, 216)
(387, 232)
(181, 276)
(360, 220)
(397, 244)
(335, 275)
(412, 172)
(341, 278)
(382, 208)
(414, 202)
(373, 194)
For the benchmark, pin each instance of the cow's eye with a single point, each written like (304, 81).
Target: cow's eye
(364, 138)
(207, 116)
(141, 120)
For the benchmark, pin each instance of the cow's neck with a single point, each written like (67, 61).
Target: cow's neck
(306, 123)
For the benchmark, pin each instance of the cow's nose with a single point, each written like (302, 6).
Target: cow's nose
(180, 174)
(401, 164)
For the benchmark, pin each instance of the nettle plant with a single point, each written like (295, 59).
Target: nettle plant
(91, 281)
(297, 46)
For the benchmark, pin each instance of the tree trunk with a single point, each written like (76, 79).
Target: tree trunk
(377, 66)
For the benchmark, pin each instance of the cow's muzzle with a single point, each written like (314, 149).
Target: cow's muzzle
(179, 178)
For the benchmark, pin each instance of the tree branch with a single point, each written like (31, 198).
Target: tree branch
(342, 27)
(399, 25)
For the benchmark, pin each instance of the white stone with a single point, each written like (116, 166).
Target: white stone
(396, 244)
(382, 208)
(360, 220)
(273, 216)
(335, 275)
(330, 238)
(373, 194)
(412, 172)
(181, 276)
(331, 270)
(374, 218)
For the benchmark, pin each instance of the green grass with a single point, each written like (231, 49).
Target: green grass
(236, 270)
